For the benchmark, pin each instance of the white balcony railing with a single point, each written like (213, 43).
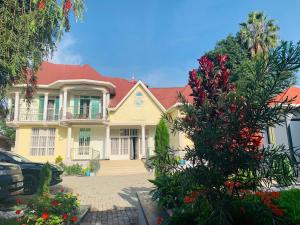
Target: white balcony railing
(83, 114)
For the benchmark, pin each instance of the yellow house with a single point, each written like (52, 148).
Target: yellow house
(80, 115)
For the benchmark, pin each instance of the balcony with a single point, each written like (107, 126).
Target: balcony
(33, 115)
(83, 114)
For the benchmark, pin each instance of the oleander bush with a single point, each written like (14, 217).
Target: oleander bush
(228, 165)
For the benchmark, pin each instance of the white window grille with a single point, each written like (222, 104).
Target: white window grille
(42, 141)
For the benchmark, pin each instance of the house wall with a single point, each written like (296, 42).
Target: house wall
(23, 143)
(131, 112)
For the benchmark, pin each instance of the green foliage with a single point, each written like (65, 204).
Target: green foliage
(59, 160)
(94, 165)
(29, 31)
(58, 209)
(258, 34)
(75, 169)
(238, 56)
(290, 202)
(8, 132)
(163, 159)
(45, 179)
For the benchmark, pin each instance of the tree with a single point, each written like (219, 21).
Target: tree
(227, 159)
(237, 56)
(29, 30)
(162, 159)
(258, 34)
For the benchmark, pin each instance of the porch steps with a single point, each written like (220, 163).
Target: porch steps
(121, 167)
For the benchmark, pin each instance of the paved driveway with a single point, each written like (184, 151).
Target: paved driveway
(112, 198)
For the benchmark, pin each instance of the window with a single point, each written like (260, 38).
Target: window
(42, 141)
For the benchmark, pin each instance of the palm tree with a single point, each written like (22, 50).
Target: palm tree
(258, 34)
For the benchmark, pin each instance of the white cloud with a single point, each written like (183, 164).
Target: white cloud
(65, 53)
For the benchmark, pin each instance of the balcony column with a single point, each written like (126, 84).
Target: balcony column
(104, 104)
(17, 100)
(107, 143)
(69, 143)
(60, 105)
(65, 104)
(143, 142)
(45, 107)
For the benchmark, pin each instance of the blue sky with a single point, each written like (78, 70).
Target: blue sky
(159, 41)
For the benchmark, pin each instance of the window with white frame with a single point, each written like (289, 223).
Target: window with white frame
(42, 141)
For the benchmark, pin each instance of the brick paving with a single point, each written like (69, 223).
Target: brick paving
(112, 198)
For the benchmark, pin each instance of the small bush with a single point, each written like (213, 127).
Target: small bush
(45, 179)
(290, 202)
(73, 169)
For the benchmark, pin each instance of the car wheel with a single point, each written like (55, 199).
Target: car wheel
(30, 185)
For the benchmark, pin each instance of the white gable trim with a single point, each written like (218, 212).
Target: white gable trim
(146, 90)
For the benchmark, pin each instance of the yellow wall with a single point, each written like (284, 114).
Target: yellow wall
(23, 143)
(178, 140)
(148, 112)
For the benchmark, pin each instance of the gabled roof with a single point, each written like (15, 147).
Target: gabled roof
(50, 73)
(292, 92)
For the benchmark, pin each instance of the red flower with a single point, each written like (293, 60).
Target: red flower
(55, 203)
(19, 201)
(45, 216)
(278, 212)
(65, 216)
(67, 6)
(159, 220)
(74, 219)
(275, 194)
(222, 59)
(23, 223)
(188, 199)
(42, 4)
(206, 65)
(18, 211)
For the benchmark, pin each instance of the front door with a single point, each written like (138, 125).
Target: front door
(84, 151)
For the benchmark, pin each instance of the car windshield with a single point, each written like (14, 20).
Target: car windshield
(18, 158)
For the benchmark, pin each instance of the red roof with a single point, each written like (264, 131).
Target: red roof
(292, 92)
(50, 73)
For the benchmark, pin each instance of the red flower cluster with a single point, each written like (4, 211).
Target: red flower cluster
(67, 6)
(55, 203)
(65, 216)
(45, 215)
(159, 220)
(267, 197)
(74, 219)
(19, 201)
(42, 4)
(192, 197)
(232, 184)
(18, 211)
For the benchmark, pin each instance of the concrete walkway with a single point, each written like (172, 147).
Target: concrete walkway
(112, 197)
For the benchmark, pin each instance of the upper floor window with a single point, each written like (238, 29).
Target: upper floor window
(42, 141)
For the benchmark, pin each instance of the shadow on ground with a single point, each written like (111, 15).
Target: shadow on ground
(129, 194)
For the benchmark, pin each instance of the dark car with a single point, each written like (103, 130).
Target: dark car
(31, 171)
(11, 179)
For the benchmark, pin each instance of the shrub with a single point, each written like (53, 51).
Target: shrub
(45, 179)
(75, 169)
(59, 161)
(94, 165)
(290, 202)
(53, 210)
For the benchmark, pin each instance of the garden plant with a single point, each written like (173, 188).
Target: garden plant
(230, 171)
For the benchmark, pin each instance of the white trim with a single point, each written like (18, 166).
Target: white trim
(71, 81)
(147, 91)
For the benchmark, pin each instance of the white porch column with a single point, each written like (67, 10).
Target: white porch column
(45, 106)
(60, 105)
(143, 142)
(65, 104)
(17, 103)
(107, 143)
(69, 143)
(104, 105)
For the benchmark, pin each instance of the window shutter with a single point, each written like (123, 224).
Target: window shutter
(56, 107)
(95, 107)
(76, 100)
(41, 107)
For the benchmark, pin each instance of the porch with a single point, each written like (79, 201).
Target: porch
(88, 142)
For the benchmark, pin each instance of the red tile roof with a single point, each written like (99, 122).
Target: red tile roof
(50, 73)
(292, 92)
